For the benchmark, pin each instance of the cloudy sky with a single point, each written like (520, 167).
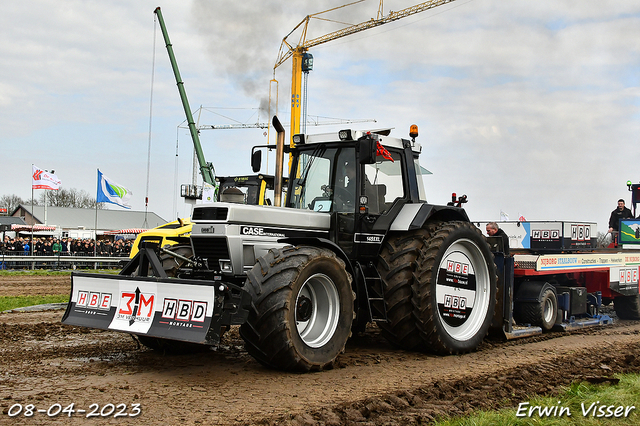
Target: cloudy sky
(527, 107)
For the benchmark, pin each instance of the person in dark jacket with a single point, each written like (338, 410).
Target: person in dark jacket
(493, 230)
(620, 213)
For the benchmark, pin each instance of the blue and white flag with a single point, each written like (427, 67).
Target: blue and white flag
(111, 192)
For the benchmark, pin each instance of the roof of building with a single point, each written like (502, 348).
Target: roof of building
(10, 220)
(74, 218)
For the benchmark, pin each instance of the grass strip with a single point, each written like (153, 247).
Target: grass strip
(582, 404)
(12, 302)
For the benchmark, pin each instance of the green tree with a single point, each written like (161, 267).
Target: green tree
(69, 198)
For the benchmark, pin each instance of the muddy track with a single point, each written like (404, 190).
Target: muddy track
(46, 363)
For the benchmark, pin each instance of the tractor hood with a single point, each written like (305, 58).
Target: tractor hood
(274, 217)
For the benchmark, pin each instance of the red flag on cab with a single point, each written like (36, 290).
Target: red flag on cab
(384, 152)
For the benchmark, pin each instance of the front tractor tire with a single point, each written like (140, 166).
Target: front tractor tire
(302, 309)
(455, 289)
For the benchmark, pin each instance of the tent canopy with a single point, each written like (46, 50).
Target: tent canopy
(130, 231)
(35, 228)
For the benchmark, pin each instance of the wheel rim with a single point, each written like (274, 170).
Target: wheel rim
(463, 306)
(548, 311)
(317, 310)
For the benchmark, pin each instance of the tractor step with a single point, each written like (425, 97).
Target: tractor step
(374, 292)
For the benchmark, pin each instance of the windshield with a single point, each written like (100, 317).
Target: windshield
(323, 182)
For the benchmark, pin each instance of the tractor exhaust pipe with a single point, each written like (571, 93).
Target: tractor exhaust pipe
(279, 160)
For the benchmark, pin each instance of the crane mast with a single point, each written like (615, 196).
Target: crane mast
(206, 169)
(297, 52)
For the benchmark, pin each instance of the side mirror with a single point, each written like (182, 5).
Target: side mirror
(367, 149)
(256, 161)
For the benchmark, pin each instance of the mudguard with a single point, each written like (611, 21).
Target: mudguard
(415, 215)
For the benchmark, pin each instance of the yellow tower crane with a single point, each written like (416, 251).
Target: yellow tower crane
(297, 52)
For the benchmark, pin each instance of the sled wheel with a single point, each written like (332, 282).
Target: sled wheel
(627, 307)
(396, 266)
(455, 289)
(541, 313)
(302, 309)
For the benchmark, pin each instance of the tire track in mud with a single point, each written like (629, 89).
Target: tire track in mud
(426, 403)
(45, 362)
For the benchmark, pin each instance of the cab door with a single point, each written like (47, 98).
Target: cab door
(382, 187)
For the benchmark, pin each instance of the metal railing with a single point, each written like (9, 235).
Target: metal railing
(61, 261)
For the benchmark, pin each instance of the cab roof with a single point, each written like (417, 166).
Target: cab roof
(380, 134)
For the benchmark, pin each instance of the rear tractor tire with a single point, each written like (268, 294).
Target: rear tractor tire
(455, 289)
(397, 266)
(302, 309)
(627, 307)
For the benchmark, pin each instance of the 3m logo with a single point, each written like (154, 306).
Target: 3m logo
(455, 302)
(457, 267)
(629, 275)
(541, 234)
(94, 300)
(136, 304)
(580, 232)
(184, 310)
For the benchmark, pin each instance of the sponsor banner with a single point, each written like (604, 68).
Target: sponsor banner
(188, 318)
(584, 261)
(547, 236)
(579, 235)
(455, 289)
(169, 310)
(136, 306)
(630, 231)
(90, 305)
(624, 280)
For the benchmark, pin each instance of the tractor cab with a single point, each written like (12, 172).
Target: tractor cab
(363, 179)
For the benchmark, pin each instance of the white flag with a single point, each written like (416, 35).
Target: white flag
(208, 193)
(42, 179)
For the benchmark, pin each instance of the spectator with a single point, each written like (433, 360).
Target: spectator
(493, 230)
(56, 248)
(620, 213)
(47, 248)
(38, 246)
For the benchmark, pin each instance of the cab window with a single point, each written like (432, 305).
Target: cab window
(384, 183)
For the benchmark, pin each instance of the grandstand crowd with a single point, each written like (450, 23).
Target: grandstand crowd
(49, 246)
